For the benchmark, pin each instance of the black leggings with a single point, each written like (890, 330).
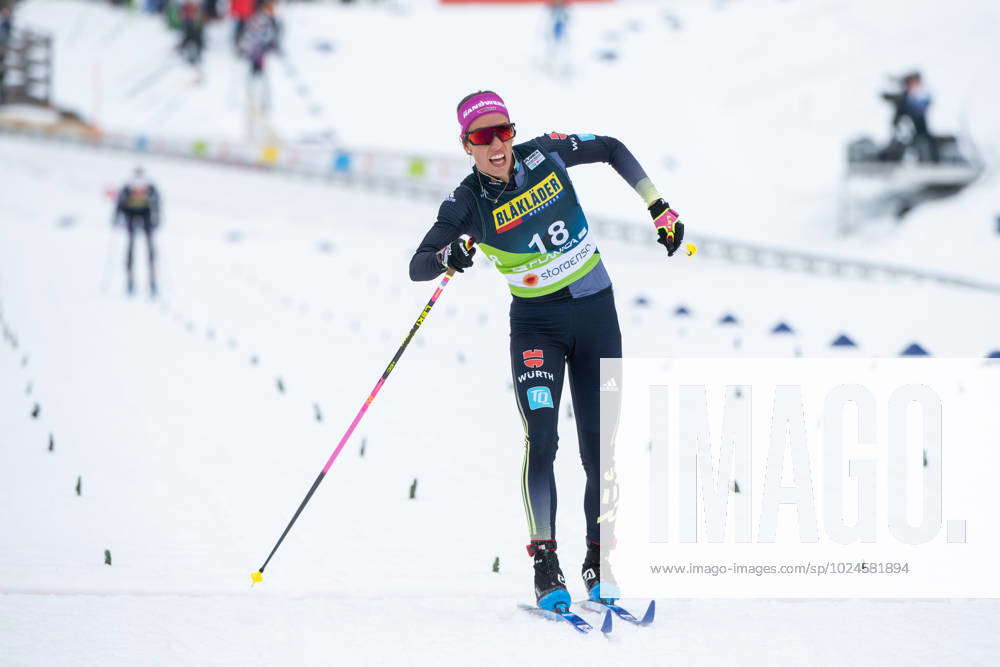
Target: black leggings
(133, 223)
(545, 338)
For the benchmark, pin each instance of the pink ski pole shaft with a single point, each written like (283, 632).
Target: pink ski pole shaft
(258, 576)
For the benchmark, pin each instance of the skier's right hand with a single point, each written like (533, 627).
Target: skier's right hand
(458, 255)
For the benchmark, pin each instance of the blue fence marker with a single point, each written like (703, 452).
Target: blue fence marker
(782, 328)
(729, 318)
(843, 340)
(681, 311)
(341, 162)
(995, 354)
(641, 301)
(141, 143)
(914, 350)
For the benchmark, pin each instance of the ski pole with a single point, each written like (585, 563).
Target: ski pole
(258, 576)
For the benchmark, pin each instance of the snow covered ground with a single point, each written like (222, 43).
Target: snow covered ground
(740, 111)
(194, 424)
(191, 460)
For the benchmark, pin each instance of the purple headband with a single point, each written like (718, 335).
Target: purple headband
(480, 105)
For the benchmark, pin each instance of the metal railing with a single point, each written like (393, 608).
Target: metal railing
(770, 257)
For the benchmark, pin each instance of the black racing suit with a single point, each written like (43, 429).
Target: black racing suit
(574, 326)
(139, 205)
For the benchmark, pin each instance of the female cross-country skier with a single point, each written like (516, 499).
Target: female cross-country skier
(520, 205)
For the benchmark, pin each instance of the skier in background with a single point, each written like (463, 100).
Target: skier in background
(138, 208)
(521, 206)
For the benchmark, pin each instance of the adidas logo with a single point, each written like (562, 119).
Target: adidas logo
(610, 385)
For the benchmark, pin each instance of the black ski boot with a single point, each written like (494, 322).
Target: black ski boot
(600, 586)
(550, 584)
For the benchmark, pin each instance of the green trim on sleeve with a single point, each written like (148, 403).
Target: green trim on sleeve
(647, 191)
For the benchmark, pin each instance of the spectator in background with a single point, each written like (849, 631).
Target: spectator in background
(911, 103)
(6, 34)
(6, 25)
(241, 11)
(192, 29)
(260, 37)
(210, 9)
(138, 206)
(558, 14)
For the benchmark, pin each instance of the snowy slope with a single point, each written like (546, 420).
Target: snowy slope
(191, 459)
(118, 68)
(739, 110)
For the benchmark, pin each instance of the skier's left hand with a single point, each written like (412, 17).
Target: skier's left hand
(669, 227)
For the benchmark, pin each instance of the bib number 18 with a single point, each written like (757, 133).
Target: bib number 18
(557, 236)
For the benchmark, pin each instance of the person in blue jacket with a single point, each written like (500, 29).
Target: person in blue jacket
(911, 102)
(520, 205)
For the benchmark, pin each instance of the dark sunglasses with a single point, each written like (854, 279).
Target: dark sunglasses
(484, 135)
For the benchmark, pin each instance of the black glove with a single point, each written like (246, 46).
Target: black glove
(458, 255)
(669, 228)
